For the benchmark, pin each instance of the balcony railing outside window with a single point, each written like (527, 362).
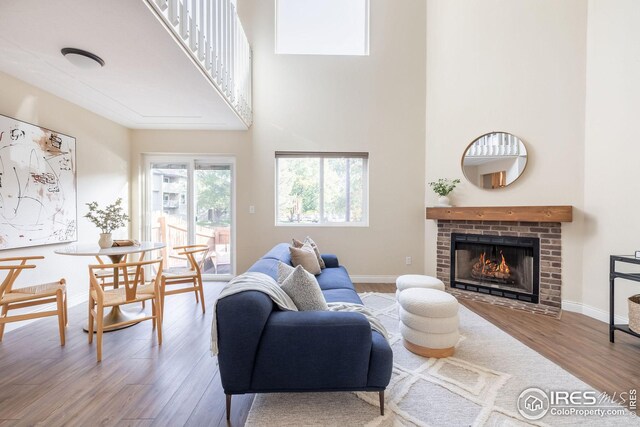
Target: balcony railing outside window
(212, 33)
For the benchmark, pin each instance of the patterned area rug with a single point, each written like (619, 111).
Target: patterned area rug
(478, 386)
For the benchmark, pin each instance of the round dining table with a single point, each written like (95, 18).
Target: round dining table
(116, 254)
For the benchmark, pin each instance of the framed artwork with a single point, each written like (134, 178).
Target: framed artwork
(37, 186)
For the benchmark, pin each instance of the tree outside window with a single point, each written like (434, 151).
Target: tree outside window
(324, 189)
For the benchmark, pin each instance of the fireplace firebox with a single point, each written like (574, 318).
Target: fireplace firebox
(502, 266)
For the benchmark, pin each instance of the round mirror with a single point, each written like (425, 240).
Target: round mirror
(494, 160)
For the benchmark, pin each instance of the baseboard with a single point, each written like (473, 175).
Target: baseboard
(595, 313)
(373, 279)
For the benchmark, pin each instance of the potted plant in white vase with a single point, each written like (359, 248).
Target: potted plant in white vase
(108, 219)
(442, 188)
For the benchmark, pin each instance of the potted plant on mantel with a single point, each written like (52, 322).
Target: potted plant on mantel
(442, 188)
(108, 219)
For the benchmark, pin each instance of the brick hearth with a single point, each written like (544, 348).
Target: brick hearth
(550, 234)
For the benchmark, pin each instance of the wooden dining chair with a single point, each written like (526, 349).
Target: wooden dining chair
(132, 289)
(105, 275)
(13, 299)
(192, 275)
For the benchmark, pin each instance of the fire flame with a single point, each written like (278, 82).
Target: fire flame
(503, 267)
(488, 266)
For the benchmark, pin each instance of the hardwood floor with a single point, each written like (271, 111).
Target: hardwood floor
(140, 384)
(136, 384)
(576, 342)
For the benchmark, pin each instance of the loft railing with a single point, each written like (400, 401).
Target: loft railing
(212, 33)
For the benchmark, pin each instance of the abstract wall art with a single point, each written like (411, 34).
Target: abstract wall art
(37, 185)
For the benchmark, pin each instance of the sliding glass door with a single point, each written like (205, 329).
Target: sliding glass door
(190, 200)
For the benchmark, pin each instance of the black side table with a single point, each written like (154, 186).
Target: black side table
(613, 274)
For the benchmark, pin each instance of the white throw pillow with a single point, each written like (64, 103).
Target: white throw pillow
(304, 291)
(284, 271)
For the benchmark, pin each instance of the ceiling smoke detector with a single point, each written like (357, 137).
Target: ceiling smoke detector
(82, 59)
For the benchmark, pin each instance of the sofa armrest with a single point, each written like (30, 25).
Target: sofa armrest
(330, 260)
(241, 320)
(313, 350)
(381, 363)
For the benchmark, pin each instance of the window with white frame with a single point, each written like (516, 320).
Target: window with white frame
(322, 27)
(321, 188)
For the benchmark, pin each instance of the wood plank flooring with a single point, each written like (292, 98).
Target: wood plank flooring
(137, 383)
(578, 343)
(141, 384)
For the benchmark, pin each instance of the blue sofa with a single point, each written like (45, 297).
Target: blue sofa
(265, 350)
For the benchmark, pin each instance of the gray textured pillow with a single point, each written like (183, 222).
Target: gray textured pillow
(316, 250)
(306, 257)
(304, 291)
(284, 271)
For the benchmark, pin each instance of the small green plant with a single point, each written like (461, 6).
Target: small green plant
(444, 186)
(108, 219)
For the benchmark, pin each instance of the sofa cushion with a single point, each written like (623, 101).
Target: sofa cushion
(303, 289)
(313, 351)
(334, 278)
(330, 260)
(342, 295)
(279, 252)
(306, 257)
(268, 266)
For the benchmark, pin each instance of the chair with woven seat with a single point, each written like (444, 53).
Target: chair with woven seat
(187, 275)
(105, 275)
(132, 289)
(12, 299)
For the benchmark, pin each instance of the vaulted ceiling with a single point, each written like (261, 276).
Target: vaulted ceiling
(148, 81)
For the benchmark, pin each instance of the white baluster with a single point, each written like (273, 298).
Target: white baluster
(173, 12)
(202, 51)
(184, 19)
(216, 57)
(208, 57)
(193, 25)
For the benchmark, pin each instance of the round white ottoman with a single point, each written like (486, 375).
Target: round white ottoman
(409, 281)
(429, 322)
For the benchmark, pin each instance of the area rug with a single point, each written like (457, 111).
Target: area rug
(478, 386)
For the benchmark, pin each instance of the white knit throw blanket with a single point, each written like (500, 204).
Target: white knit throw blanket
(375, 323)
(263, 283)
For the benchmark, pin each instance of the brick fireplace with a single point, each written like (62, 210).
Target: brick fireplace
(497, 234)
(550, 280)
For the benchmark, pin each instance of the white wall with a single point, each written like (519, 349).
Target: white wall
(102, 149)
(373, 103)
(612, 151)
(518, 67)
(369, 103)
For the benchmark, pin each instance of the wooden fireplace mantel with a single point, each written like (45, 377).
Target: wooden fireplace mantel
(503, 213)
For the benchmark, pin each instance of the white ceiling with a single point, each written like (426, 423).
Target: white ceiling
(148, 81)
